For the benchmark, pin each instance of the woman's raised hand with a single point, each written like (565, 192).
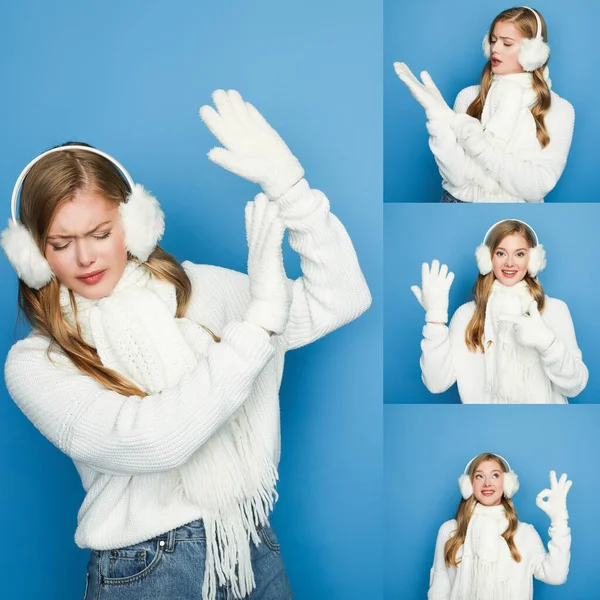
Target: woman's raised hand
(270, 289)
(251, 148)
(553, 501)
(434, 293)
(426, 93)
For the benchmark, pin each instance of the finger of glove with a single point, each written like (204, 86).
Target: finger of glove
(260, 222)
(534, 312)
(568, 486)
(248, 167)
(249, 214)
(404, 72)
(553, 479)
(238, 105)
(449, 280)
(257, 117)
(542, 497)
(216, 125)
(430, 85)
(443, 271)
(416, 290)
(435, 269)
(225, 107)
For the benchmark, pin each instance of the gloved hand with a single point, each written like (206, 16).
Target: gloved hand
(530, 330)
(434, 295)
(252, 148)
(507, 101)
(270, 290)
(553, 501)
(426, 94)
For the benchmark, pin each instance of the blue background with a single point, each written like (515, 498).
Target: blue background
(418, 233)
(129, 77)
(422, 493)
(444, 38)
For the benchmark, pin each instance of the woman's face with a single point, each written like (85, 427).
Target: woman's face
(505, 43)
(86, 245)
(511, 259)
(488, 483)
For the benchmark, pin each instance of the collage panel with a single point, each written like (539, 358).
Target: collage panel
(426, 451)
(546, 359)
(130, 79)
(472, 157)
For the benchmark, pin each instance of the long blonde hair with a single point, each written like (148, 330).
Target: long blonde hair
(465, 510)
(51, 182)
(524, 20)
(483, 285)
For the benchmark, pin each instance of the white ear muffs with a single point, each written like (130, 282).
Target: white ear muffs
(537, 254)
(533, 52)
(511, 481)
(143, 225)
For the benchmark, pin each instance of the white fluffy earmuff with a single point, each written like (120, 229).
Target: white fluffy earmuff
(533, 52)
(141, 215)
(511, 481)
(537, 254)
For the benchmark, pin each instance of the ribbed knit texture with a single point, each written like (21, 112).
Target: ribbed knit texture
(124, 448)
(519, 172)
(550, 566)
(445, 358)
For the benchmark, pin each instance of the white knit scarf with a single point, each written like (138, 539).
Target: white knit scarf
(524, 137)
(484, 569)
(514, 373)
(232, 477)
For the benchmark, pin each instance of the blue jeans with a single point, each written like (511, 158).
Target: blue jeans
(171, 567)
(449, 198)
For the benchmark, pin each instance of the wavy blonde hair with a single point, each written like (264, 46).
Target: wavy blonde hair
(465, 510)
(524, 20)
(53, 181)
(483, 285)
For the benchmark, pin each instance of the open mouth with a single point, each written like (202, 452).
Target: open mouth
(509, 273)
(496, 62)
(487, 493)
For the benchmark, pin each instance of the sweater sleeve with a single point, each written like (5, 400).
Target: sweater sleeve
(529, 178)
(437, 364)
(562, 361)
(332, 290)
(439, 581)
(552, 567)
(131, 435)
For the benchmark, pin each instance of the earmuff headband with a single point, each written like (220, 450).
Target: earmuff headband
(25, 171)
(501, 458)
(485, 237)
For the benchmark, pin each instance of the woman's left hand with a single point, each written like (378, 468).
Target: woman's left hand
(252, 148)
(530, 330)
(553, 501)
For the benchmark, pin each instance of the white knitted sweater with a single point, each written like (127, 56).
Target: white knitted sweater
(445, 358)
(514, 173)
(124, 447)
(550, 567)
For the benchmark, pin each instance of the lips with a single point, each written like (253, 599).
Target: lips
(92, 277)
(508, 273)
(495, 62)
(488, 492)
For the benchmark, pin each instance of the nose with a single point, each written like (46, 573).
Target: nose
(84, 252)
(508, 261)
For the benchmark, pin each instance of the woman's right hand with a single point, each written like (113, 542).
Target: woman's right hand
(433, 295)
(270, 289)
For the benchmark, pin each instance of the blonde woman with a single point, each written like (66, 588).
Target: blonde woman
(511, 344)
(508, 138)
(161, 380)
(485, 552)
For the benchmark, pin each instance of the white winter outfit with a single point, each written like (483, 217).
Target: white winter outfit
(500, 160)
(508, 372)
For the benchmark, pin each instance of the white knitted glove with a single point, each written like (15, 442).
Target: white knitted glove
(252, 148)
(270, 293)
(553, 501)
(507, 98)
(426, 94)
(435, 292)
(530, 329)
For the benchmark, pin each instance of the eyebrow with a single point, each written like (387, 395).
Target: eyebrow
(503, 37)
(480, 471)
(517, 250)
(70, 237)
